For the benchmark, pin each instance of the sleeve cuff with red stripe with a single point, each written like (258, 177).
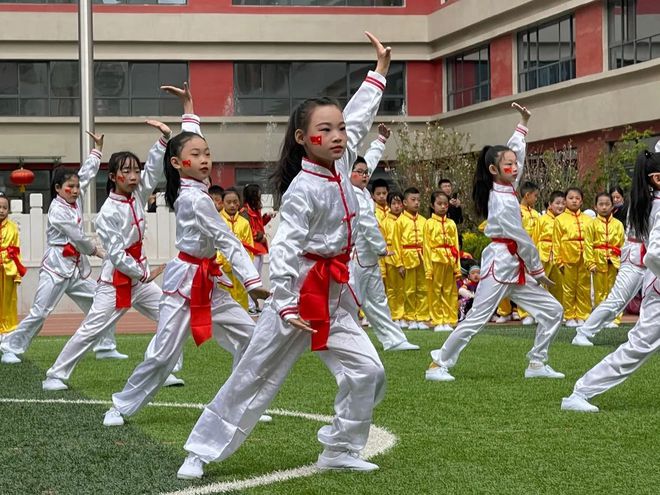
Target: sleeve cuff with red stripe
(375, 79)
(289, 313)
(538, 272)
(190, 118)
(382, 138)
(252, 283)
(163, 142)
(522, 129)
(97, 153)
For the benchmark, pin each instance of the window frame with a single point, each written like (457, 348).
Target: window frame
(628, 24)
(453, 90)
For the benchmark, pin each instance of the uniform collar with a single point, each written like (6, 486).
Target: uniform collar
(60, 199)
(504, 188)
(392, 216)
(439, 218)
(550, 214)
(317, 169)
(604, 219)
(410, 215)
(228, 216)
(194, 184)
(119, 197)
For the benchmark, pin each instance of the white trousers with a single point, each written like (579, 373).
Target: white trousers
(232, 329)
(538, 302)
(275, 347)
(371, 293)
(643, 342)
(627, 284)
(50, 290)
(103, 314)
(258, 264)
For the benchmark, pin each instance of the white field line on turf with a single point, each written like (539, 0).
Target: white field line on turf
(380, 441)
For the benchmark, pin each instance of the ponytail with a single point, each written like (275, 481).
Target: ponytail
(172, 177)
(483, 178)
(641, 195)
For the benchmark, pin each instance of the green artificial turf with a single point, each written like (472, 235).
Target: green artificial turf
(490, 431)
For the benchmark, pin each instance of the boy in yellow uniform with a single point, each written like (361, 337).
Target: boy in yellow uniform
(603, 241)
(11, 269)
(568, 251)
(529, 194)
(379, 192)
(546, 226)
(241, 229)
(393, 280)
(408, 246)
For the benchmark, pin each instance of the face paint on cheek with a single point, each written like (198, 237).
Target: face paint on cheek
(120, 178)
(67, 190)
(317, 140)
(507, 169)
(186, 163)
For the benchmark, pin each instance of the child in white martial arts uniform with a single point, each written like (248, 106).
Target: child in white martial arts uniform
(126, 279)
(309, 275)
(510, 265)
(370, 246)
(193, 300)
(65, 268)
(644, 338)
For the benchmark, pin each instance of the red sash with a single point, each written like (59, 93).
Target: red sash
(615, 250)
(315, 292)
(452, 249)
(13, 253)
(122, 283)
(200, 296)
(250, 249)
(512, 246)
(69, 251)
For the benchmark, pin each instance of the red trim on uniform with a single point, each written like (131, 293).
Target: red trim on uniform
(375, 82)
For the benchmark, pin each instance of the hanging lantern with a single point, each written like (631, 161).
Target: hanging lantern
(21, 177)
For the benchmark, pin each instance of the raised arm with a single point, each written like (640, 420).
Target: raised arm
(377, 148)
(189, 121)
(153, 167)
(91, 165)
(517, 142)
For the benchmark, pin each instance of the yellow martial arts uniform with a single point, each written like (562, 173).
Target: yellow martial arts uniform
(393, 280)
(545, 229)
(9, 275)
(530, 221)
(409, 245)
(603, 241)
(568, 250)
(441, 253)
(381, 213)
(241, 229)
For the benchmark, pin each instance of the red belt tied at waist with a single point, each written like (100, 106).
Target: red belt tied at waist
(512, 246)
(122, 282)
(200, 296)
(315, 294)
(69, 251)
(452, 249)
(615, 250)
(412, 246)
(13, 253)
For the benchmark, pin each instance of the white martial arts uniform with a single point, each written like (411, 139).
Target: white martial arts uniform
(65, 268)
(370, 246)
(317, 225)
(644, 338)
(503, 271)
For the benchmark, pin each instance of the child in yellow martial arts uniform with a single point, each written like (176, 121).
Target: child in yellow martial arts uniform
(568, 250)
(529, 194)
(241, 229)
(441, 253)
(393, 280)
(546, 226)
(408, 246)
(603, 241)
(11, 268)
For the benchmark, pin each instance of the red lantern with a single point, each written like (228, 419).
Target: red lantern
(22, 177)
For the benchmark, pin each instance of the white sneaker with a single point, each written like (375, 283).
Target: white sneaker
(577, 403)
(579, 322)
(439, 374)
(113, 418)
(503, 319)
(10, 358)
(571, 323)
(539, 370)
(173, 381)
(612, 324)
(191, 469)
(404, 324)
(443, 328)
(346, 460)
(515, 316)
(404, 346)
(265, 418)
(422, 326)
(53, 385)
(528, 320)
(413, 325)
(113, 354)
(364, 322)
(581, 340)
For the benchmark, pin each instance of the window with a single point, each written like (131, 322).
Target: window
(276, 88)
(633, 31)
(468, 78)
(546, 54)
(107, 2)
(323, 3)
(121, 88)
(252, 175)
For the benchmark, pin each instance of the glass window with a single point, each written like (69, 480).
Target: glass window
(468, 78)
(251, 175)
(277, 88)
(546, 54)
(634, 31)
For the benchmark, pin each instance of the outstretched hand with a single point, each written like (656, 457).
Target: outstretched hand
(543, 280)
(383, 54)
(259, 293)
(98, 140)
(384, 131)
(300, 324)
(163, 128)
(525, 114)
(183, 94)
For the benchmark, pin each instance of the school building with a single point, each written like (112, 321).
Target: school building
(587, 68)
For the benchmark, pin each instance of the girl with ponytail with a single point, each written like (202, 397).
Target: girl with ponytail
(311, 301)
(644, 338)
(510, 267)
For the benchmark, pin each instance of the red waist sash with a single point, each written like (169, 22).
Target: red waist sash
(13, 253)
(315, 292)
(69, 251)
(122, 283)
(512, 246)
(615, 250)
(452, 249)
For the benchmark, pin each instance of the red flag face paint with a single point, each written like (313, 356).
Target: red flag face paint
(317, 140)
(186, 163)
(121, 178)
(507, 169)
(67, 190)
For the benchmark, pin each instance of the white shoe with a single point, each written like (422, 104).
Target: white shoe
(413, 326)
(443, 328)
(579, 322)
(439, 374)
(528, 320)
(53, 385)
(503, 319)
(113, 418)
(404, 324)
(577, 403)
(571, 323)
(265, 418)
(173, 381)
(515, 316)
(10, 358)
(191, 469)
(612, 324)
(346, 460)
(113, 354)
(581, 340)
(404, 346)
(364, 322)
(422, 326)
(539, 370)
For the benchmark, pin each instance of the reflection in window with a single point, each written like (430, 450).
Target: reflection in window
(634, 31)
(546, 54)
(468, 78)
